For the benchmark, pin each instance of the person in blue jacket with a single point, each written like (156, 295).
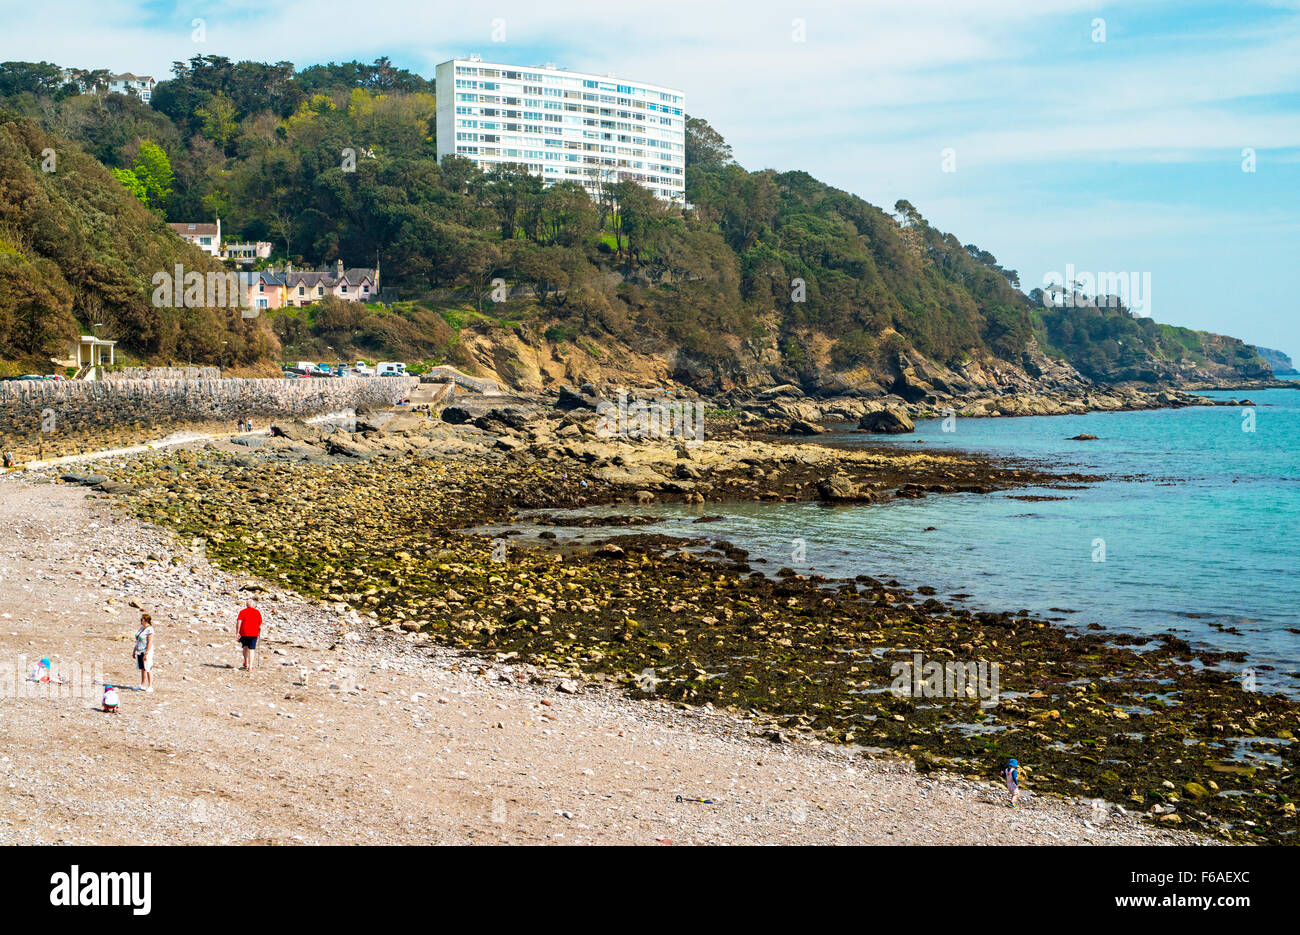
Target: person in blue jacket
(1011, 773)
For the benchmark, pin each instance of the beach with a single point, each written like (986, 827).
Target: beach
(458, 544)
(433, 746)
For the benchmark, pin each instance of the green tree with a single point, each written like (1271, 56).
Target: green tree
(510, 190)
(637, 221)
(219, 123)
(705, 146)
(154, 171)
(39, 78)
(563, 215)
(150, 179)
(132, 183)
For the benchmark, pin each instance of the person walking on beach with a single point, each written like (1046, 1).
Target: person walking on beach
(143, 653)
(1011, 773)
(248, 627)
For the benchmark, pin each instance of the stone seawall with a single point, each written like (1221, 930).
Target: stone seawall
(48, 419)
(164, 373)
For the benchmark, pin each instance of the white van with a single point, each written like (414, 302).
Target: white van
(362, 370)
(389, 368)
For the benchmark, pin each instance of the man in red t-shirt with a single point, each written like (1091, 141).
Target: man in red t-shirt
(248, 626)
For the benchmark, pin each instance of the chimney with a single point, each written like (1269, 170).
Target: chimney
(338, 269)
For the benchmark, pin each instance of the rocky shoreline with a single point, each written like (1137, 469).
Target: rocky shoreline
(353, 735)
(787, 409)
(379, 521)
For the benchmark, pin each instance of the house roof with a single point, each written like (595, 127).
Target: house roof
(271, 279)
(308, 279)
(127, 76)
(353, 277)
(194, 230)
(311, 279)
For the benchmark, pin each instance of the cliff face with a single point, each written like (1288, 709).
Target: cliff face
(524, 359)
(1279, 362)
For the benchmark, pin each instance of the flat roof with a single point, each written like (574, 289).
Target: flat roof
(543, 69)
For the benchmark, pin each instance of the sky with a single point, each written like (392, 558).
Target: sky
(1150, 137)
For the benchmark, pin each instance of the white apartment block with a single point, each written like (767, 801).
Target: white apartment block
(564, 126)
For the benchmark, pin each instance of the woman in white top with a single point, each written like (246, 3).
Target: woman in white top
(144, 652)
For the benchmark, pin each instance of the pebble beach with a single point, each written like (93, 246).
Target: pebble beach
(346, 734)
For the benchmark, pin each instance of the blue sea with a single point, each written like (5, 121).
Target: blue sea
(1197, 532)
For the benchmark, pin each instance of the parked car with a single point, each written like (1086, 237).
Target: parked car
(362, 369)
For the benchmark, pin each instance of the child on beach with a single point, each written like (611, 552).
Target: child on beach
(1011, 773)
(110, 699)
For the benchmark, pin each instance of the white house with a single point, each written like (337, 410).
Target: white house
(207, 237)
(139, 85)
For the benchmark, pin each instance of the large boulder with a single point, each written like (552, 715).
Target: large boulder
(785, 389)
(890, 421)
(456, 415)
(297, 431)
(501, 420)
(350, 446)
(85, 480)
(803, 427)
(570, 399)
(836, 489)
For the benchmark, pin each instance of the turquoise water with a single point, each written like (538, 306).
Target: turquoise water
(1199, 534)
